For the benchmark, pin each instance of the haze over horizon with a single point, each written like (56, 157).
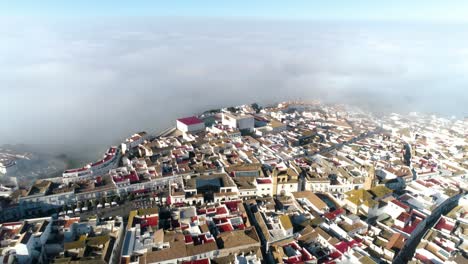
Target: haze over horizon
(93, 81)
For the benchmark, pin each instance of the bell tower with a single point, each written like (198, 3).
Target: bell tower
(371, 180)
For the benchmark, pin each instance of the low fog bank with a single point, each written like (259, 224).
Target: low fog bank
(76, 87)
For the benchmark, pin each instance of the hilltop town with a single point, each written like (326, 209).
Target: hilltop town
(297, 182)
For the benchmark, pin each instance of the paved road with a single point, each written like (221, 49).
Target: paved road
(408, 250)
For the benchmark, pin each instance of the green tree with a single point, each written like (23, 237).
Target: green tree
(256, 107)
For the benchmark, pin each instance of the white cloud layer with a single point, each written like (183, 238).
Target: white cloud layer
(94, 82)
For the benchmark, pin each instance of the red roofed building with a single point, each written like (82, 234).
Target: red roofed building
(344, 246)
(403, 219)
(147, 220)
(445, 225)
(396, 208)
(221, 210)
(401, 205)
(200, 261)
(407, 222)
(225, 227)
(263, 181)
(69, 222)
(233, 206)
(264, 186)
(334, 214)
(293, 254)
(190, 124)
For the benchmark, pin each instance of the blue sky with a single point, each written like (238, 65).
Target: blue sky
(396, 10)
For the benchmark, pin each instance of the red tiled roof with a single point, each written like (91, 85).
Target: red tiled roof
(334, 214)
(306, 255)
(76, 170)
(435, 181)
(335, 255)
(204, 238)
(404, 216)
(423, 258)
(188, 239)
(410, 228)
(200, 261)
(97, 163)
(423, 183)
(221, 210)
(263, 181)
(210, 210)
(184, 226)
(344, 246)
(404, 197)
(232, 205)
(444, 224)
(293, 260)
(70, 221)
(219, 220)
(190, 120)
(400, 204)
(152, 220)
(107, 158)
(240, 227)
(225, 227)
(132, 177)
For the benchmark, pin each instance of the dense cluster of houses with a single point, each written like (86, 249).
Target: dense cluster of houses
(298, 182)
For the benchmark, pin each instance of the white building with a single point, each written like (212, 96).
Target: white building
(190, 124)
(8, 177)
(26, 245)
(264, 187)
(108, 162)
(241, 121)
(5, 191)
(135, 140)
(8, 169)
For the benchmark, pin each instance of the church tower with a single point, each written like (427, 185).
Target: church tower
(371, 180)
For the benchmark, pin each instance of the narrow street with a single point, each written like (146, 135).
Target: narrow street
(406, 254)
